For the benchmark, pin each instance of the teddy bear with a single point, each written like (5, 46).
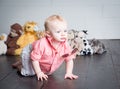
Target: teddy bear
(3, 46)
(29, 35)
(15, 32)
(77, 39)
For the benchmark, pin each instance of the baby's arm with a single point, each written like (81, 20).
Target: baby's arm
(69, 69)
(39, 73)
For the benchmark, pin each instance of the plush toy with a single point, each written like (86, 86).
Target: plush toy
(15, 33)
(86, 47)
(74, 40)
(3, 46)
(28, 36)
(40, 34)
(77, 39)
(97, 46)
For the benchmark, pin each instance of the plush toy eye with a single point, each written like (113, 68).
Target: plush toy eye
(85, 44)
(84, 40)
(28, 27)
(76, 36)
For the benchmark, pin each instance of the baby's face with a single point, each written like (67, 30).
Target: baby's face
(59, 31)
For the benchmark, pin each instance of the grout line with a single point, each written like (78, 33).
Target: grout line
(5, 76)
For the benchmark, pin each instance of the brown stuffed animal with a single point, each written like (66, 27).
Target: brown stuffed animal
(15, 33)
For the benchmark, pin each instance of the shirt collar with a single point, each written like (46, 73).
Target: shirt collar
(50, 39)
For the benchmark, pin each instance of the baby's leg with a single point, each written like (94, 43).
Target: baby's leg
(16, 64)
(27, 69)
(19, 68)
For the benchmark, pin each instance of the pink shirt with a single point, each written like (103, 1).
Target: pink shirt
(49, 58)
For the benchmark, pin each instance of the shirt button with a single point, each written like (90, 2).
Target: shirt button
(56, 53)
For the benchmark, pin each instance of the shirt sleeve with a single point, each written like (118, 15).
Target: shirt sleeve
(68, 50)
(37, 50)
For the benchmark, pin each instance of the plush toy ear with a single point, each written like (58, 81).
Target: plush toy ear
(40, 34)
(3, 37)
(85, 31)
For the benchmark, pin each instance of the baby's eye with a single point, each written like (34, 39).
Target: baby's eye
(65, 30)
(57, 31)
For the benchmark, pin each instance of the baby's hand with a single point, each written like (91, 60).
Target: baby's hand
(71, 76)
(42, 76)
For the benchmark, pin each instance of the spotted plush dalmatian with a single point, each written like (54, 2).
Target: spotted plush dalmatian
(87, 49)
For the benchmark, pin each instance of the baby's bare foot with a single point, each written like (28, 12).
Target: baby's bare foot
(16, 64)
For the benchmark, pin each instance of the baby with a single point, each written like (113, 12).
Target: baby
(48, 53)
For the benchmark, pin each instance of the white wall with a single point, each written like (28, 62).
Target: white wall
(100, 17)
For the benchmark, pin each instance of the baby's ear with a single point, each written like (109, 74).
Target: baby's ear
(48, 33)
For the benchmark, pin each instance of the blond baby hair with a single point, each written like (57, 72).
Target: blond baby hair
(51, 19)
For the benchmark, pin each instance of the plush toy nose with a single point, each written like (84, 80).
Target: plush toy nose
(36, 28)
